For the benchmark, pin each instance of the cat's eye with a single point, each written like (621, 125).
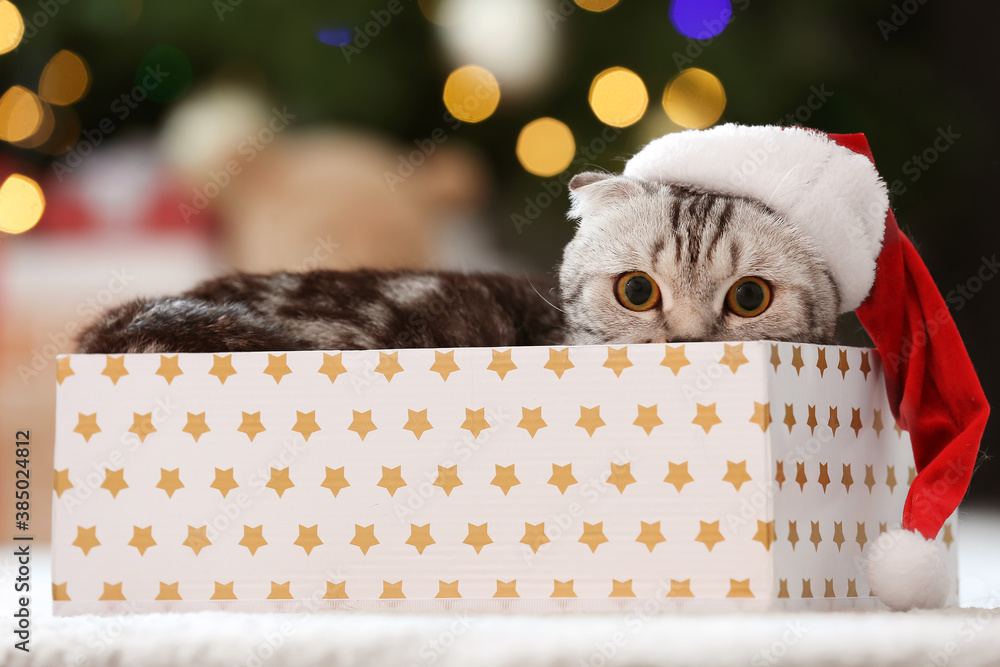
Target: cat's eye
(637, 291)
(749, 297)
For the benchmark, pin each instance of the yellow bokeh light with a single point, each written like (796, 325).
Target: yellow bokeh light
(694, 99)
(471, 94)
(597, 5)
(11, 26)
(618, 97)
(65, 79)
(44, 131)
(20, 114)
(545, 147)
(21, 204)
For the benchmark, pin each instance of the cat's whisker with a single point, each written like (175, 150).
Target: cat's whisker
(528, 278)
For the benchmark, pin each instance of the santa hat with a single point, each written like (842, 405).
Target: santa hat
(827, 185)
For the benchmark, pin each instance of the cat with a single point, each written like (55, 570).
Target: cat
(649, 263)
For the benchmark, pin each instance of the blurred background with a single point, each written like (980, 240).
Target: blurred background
(145, 146)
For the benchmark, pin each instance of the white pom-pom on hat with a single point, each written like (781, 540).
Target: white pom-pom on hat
(907, 571)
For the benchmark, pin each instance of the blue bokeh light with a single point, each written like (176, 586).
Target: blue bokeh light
(700, 19)
(335, 36)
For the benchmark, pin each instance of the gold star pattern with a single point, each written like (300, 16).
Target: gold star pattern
(824, 475)
(417, 423)
(475, 421)
(170, 481)
(531, 420)
(765, 533)
(674, 358)
(834, 422)
(814, 535)
(336, 591)
(279, 481)
(562, 589)
(706, 417)
(308, 538)
(709, 534)
(797, 362)
(114, 368)
(506, 589)
(647, 419)
(86, 539)
(680, 589)
(505, 478)
(444, 364)
(877, 423)
(593, 535)
(862, 538)
(852, 588)
(869, 477)
(335, 480)
(739, 589)
(169, 368)
(86, 425)
(361, 423)
(733, 357)
(800, 474)
(534, 536)
(392, 591)
(890, 478)
(789, 419)
(779, 474)
(736, 474)
(793, 533)
(61, 483)
(856, 421)
(332, 367)
(898, 429)
(388, 365)
(678, 475)
(223, 481)
(196, 426)
(197, 539)
(838, 534)
(502, 363)
(364, 537)
(59, 593)
(811, 419)
(448, 479)
(866, 366)
(392, 479)
(63, 371)
(775, 357)
(558, 361)
(277, 367)
(478, 537)
(112, 592)
(253, 538)
(280, 591)
(223, 591)
(845, 477)
(142, 539)
(142, 425)
(222, 367)
(912, 475)
(305, 423)
(621, 476)
(114, 481)
(420, 537)
(947, 536)
(621, 589)
(590, 419)
(821, 361)
(168, 591)
(251, 425)
(843, 366)
(650, 535)
(562, 477)
(761, 415)
(448, 589)
(617, 360)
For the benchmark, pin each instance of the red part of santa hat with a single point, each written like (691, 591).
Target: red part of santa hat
(828, 186)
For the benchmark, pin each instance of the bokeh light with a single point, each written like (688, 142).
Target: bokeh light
(335, 36)
(65, 79)
(11, 26)
(66, 132)
(20, 114)
(431, 9)
(164, 74)
(618, 97)
(597, 5)
(694, 98)
(21, 204)
(545, 147)
(44, 131)
(471, 94)
(700, 19)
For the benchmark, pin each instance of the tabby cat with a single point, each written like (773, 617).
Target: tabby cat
(649, 263)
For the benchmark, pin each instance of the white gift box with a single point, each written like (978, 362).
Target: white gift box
(748, 475)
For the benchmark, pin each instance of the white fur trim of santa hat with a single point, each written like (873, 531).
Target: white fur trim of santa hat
(907, 571)
(834, 195)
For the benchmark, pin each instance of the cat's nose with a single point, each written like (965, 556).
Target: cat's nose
(686, 324)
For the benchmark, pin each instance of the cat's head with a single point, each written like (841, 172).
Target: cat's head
(665, 263)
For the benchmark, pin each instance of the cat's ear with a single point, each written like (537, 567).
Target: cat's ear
(593, 190)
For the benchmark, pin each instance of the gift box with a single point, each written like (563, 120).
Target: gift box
(712, 476)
